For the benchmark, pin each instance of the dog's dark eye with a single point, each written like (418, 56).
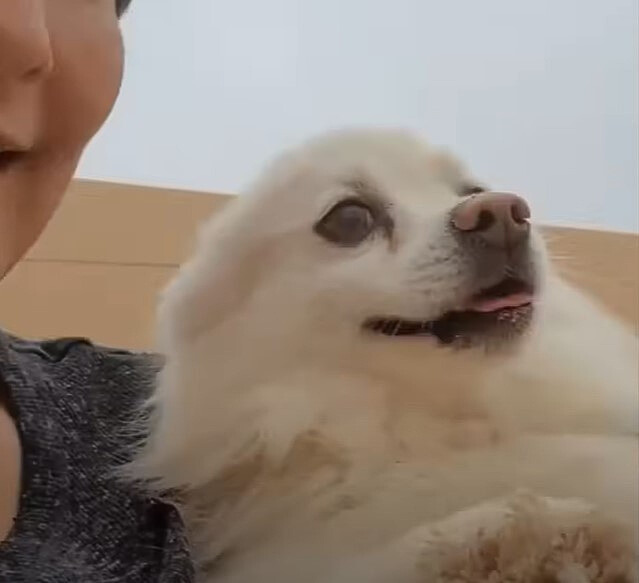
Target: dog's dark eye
(470, 189)
(348, 223)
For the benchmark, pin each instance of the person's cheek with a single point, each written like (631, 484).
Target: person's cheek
(67, 109)
(83, 88)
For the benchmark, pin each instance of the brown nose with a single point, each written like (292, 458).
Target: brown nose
(500, 219)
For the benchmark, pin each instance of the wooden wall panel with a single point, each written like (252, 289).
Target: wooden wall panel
(114, 223)
(98, 268)
(110, 303)
(603, 263)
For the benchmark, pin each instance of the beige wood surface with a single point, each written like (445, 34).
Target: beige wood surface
(97, 270)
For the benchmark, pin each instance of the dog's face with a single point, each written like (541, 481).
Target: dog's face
(373, 234)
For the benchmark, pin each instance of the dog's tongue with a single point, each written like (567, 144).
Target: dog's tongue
(494, 304)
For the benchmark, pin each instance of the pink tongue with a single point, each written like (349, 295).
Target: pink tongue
(494, 304)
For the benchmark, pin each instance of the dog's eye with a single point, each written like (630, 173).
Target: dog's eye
(348, 223)
(470, 189)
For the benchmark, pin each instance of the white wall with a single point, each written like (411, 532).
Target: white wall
(540, 96)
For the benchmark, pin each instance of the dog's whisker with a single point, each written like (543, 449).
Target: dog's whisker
(562, 257)
(386, 328)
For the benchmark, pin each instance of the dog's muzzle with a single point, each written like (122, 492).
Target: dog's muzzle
(493, 231)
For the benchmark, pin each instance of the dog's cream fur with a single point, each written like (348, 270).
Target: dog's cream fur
(309, 451)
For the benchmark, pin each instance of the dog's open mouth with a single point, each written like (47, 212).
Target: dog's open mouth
(502, 311)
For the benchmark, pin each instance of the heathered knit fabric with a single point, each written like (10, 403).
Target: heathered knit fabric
(77, 522)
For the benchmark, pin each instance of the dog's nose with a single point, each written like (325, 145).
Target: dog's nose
(499, 219)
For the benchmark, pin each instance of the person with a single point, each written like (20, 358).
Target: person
(65, 404)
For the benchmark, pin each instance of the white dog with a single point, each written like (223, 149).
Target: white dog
(373, 375)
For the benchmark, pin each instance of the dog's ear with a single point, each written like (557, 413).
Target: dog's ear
(213, 285)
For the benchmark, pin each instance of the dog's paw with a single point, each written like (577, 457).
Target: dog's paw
(527, 539)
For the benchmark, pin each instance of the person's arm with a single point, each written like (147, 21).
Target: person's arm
(9, 471)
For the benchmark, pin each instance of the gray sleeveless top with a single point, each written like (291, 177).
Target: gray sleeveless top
(77, 522)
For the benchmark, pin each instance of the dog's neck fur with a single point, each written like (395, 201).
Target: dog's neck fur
(292, 388)
(228, 408)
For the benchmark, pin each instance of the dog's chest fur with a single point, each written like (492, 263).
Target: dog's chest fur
(332, 454)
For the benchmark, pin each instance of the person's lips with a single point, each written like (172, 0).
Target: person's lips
(12, 150)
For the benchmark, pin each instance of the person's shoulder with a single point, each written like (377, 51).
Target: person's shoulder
(79, 409)
(57, 350)
(67, 362)
(71, 379)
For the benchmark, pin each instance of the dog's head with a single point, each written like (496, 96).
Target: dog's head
(373, 236)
